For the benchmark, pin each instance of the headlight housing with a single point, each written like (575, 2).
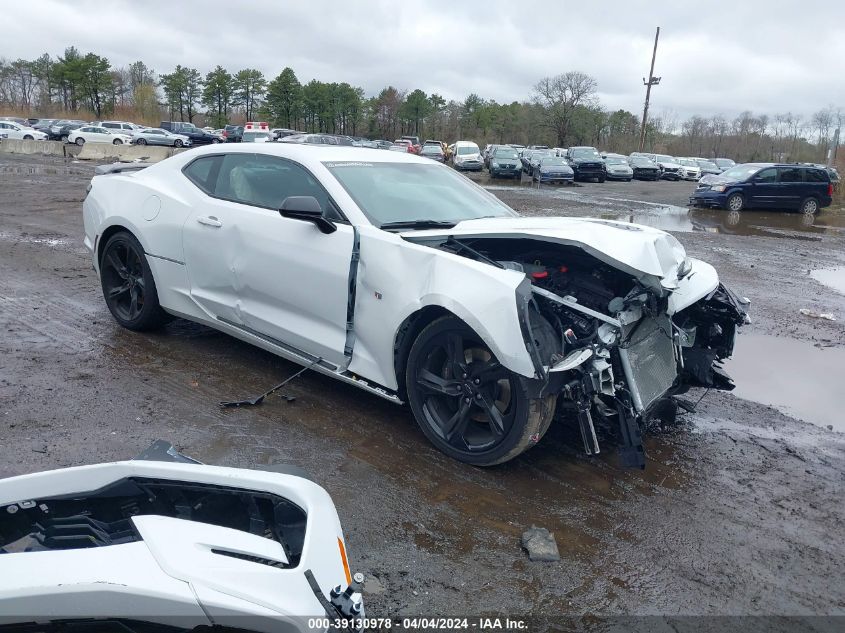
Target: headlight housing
(718, 187)
(494, 164)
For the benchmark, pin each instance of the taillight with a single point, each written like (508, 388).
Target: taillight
(830, 189)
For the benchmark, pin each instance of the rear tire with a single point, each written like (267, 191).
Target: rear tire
(128, 285)
(141, 141)
(80, 141)
(64, 138)
(468, 405)
(28, 137)
(810, 206)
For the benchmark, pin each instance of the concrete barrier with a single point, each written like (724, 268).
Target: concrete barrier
(125, 153)
(47, 148)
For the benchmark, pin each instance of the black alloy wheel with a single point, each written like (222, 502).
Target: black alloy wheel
(128, 285)
(467, 404)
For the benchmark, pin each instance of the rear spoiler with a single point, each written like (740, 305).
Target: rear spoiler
(119, 168)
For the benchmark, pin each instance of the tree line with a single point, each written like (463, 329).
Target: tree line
(560, 111)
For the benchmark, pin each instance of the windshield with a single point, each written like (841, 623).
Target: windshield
(432, 149)
(612, 160)
(251, 136)
(706, 164)
(506, 153)
(663, 158)
(553, 161)
(725, 162)
(462, 151)
(584, 153)
(740, 172)
(406, 192)
(641, 160)
(688, 163)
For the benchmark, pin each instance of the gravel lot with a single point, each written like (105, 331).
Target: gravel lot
(739, 510)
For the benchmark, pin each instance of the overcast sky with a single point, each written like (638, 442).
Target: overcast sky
(713, 57)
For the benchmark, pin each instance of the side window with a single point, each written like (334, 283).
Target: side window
(203, 172)
(109, 125)
(265, 181)
(766, 175)
(791, 174)
(815, 175)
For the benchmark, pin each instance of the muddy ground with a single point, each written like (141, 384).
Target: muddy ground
(739, 511)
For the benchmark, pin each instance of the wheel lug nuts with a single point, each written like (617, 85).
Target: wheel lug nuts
(477, 381)
(478, 396)
(464, 376)
(467, 400)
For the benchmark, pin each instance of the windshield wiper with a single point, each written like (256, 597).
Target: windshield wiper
(418, 224)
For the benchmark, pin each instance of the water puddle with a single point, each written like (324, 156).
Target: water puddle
(794, 377)
(831, 277)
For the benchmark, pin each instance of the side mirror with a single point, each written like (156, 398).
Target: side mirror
(308, 209)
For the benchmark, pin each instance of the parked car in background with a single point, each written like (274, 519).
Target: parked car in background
(689, 169)
(416, 145)
(670, 169)
(97, 134)
(551, 168)
(806, 188)
(586, 162)
(60, 130)
(317, 139)
(505, 163)
(18, 131)
(256, 136)
(16, 119)
(643, 168)
(382, 144)
(617, 168)
(120, 126)
(707, 167)
(408, 145)
(536, 156)
(198, 136)
(233, 133)
(398, 147)
(434, 152)
(467, 157)
(724, 163)
(157, 136)
(43, 125)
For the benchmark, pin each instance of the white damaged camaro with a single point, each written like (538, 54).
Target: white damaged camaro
(404, 278)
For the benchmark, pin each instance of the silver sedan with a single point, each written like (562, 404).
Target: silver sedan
(157, 136)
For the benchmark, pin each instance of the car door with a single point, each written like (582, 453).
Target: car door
(762, 190)
(277, 277)
(790, 186)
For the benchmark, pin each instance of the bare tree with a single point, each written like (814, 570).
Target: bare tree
(562, 95)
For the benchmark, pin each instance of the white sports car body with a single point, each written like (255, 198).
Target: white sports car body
(402, 277)
(164, 540)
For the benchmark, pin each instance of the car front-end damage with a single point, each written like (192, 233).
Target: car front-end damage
(618, 321)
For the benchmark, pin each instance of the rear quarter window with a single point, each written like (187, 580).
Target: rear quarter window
(815, 175)
(203, 172)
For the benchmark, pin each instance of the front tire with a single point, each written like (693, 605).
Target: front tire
(128, 285)
(735, 202)
(177, 142)
(141, 141)
(80, 141)
(28, 137)
(117, 141)
(468, 405)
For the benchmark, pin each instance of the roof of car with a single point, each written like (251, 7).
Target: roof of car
(311, 154)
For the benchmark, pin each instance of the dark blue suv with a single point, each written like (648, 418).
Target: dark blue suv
(795, 186)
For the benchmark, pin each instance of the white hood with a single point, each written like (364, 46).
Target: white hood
(631, 247)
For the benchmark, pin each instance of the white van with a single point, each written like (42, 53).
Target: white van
(467, 156)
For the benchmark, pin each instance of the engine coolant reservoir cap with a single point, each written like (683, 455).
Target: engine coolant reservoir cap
(151, 207)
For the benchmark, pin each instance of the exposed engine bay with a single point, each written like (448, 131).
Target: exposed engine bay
(606, 339)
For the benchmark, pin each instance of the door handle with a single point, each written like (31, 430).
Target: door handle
(210, 221)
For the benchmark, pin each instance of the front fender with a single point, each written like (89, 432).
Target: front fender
(397, 278)
(699, 282)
